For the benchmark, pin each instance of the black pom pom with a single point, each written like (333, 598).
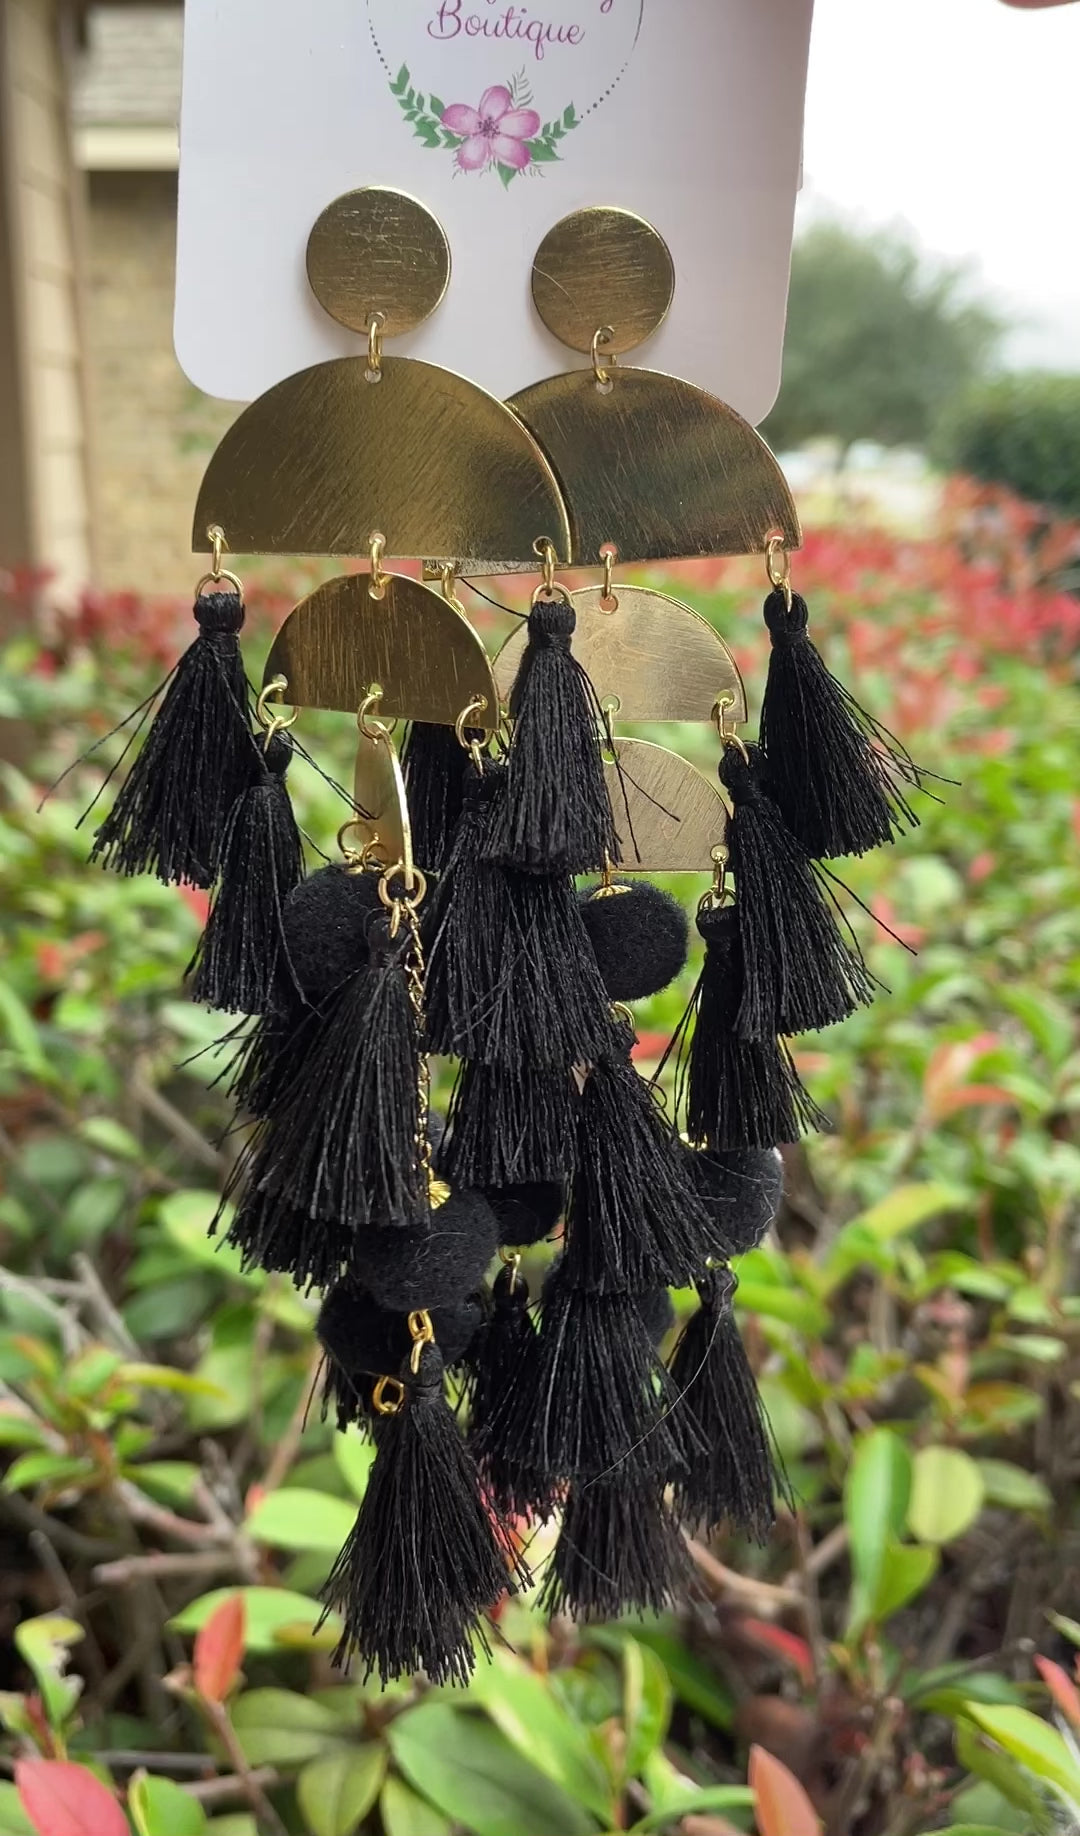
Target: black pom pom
(509, 1126)
(345, 1144)
(556, 816)
(595, 1391)
(633, 1221)
(837, 774)
(619, 1550)
(799, 973)
(426, 1558)
(242, 963)
(433, 1266)
(741, 1093)
(641, 937)
(363, 1342)
(512, 979)
(198, 757)
(326, 928)
(727, 1475)
(436, 767)
(741, 1191)
(527, 1214)
(658, 1313)
(505, 1362)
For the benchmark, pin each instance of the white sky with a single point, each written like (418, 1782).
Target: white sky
(961, 120)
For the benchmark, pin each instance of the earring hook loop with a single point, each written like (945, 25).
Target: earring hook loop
(778, 567)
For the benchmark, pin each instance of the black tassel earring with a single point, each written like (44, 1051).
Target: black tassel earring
(556, 816)
(726, 1475)
(361, 1340)
(435, 769)
(427, 1558)
(838, 776)
(505, 1362)
(198, 757)
(509, 1126)
(620, 1548)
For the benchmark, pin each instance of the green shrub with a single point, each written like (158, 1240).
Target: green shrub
(1021, 431)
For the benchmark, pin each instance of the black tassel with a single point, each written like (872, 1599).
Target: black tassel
(619, 1550)
(741, 1190)
(504, 1362)
(427, 1557)
(198, 758)
(270, 1054)
(835, 772)
(242, 963)
(345, 1144)
(595, 1391)
(281, 1239)
(511, 978)
(727, 1477)
(362, 1340)
(556, 816)
(436, 768)
(799, 973)
(740, 1093)
(634, 1221)
(509, 1126)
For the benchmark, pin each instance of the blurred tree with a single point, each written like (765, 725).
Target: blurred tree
(878, 340)
(1022, 431)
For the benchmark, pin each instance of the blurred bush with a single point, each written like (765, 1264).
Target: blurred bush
(1021, 431)
(900, 1658)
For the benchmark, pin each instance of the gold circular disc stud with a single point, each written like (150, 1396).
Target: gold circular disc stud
(378, 251)
(603, 268)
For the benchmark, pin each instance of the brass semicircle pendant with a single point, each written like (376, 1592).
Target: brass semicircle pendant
(657, 466)
(668, 817)
(328, 457)
(648, 656)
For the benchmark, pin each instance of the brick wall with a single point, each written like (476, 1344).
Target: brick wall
(153, 431)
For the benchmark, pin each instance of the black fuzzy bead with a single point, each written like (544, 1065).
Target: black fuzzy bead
(434, 1266)
(326, 928)
(641, 937)
(526, 1214)
(741, 1190)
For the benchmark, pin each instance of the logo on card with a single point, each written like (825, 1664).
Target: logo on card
(501, 88)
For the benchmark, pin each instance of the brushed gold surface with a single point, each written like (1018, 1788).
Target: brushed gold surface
(379, 791)
(425, 655)
(377, 250)
(668, 817)
(326, 458)
(603, 267)
(656, 466)
(655, 657)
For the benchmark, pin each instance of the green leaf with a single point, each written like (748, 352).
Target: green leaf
(13, 1819)
(696, 1804)
(277, 1728)
(535, 1722)
(33, 1469)
(646, 1705)
(20, 1430)
(163, 1377)
(173, 1481)
(1014, 1488)
(355, 1456)
(876, 1496)
(18, 1027)
(904, 1210)
(241, 1825)
(93, 1209)
(904, 1574)
(1000, 1770)
(507, 173)
(947, 1494)
(269, 1612)
(110, 1137)
(45, 1647)
(401, 83)
(404, 1814)
(1069, 1628)
(436, 106)
(160, 1808)
(973, 1829)
(298, 1519)
(336, 1792)
(474, 1776)
(1038, 1747)
(691, 1679)
(790, 1305)
(542, 151)
(186, 1217)
(570, 119)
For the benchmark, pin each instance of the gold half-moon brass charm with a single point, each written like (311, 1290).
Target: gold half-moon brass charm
(326, 459)
(649, 656)
(660, 468)
(428, 660)
(379, 791)
(668, 817)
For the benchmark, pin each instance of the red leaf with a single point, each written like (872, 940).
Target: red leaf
(1061, 1687)
(62, 1799)
(782, 1808)
(219, 1648)
(787, 1646)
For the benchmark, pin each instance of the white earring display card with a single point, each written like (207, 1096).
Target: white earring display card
(500, 118)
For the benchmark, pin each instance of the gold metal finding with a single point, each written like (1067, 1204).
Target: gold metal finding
(623, 1012)
(668, 816)
(603, 339)
(719, 892)
(607, 267)
(727, 718)
(419, 645)
(657, 657)
(438, 465)
(378, 251)
(658, 465)
(388, 1397)
(377, 581)
(609, 888)
(215, 535)
(545, 548)
(423, 1333)
(511, 1259)
(375, 324)
(778, 566)
(270, 719)
(466, 719)
(608, 556)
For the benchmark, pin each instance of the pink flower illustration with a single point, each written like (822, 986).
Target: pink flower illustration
(496, 131)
